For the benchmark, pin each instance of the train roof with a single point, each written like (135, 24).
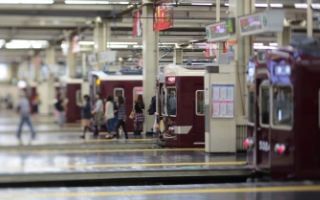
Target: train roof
(105, 77)
(69, 80)
(184, 70)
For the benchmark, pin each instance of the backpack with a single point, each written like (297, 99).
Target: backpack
(152, 106)
(57, 105)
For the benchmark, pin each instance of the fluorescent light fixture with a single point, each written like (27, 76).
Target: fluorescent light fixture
(26, 44)
(201, 4)
(202, 47)
(86, 43)
(273, 44)
(85, 2)
(257, 44)
(137, 46)
(263, 47)
(123, 43)
(2, 42)
(22, 84)
(117, 46)
(264, 5)
(301, 5)
(121, 2)
(26, 1)
(316, 5)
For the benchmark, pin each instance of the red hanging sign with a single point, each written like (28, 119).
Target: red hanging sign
(163, 15)
(137, 23)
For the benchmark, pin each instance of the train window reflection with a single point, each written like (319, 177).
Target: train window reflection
(172, 102)
(251, 104)
(282, 105)
(200, 102)
(265, 105)
(118, 92)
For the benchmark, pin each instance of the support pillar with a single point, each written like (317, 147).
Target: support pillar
(284, 37)
(101, 34)
(178, 56)
(150, 41)
(71, 60)
(309, 19)
(51, 63)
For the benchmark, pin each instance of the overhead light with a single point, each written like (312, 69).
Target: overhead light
(257, 44)
(263, 47)
(201, 4)
(264, 5)
(273, 44)
(26, 1)
(301, 5)
(86, 43)
(273, 5)
(123, 43)
(121, 2)
(2, 43)
(85, 2)
(26, 44)
(315, 5)
(137, 46)
(117, 46)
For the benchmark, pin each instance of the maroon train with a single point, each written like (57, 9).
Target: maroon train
(283, 113)
(71, 89)
(128, 86)
(180, 106)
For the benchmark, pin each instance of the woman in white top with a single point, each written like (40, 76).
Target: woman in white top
(109, 114)
(98, 114)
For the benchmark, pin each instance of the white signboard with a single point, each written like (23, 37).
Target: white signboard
(107, 56)
(264, 22)
(222, 101)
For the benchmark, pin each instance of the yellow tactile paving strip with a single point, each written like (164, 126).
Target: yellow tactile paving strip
(82, 151)
(165, 192)
(125, 165)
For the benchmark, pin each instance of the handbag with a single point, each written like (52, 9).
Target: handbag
(131, 116)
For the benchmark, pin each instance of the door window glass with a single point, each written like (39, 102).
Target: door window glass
(200, 102)
(163, 101)
(282, 105)
(78, 97)
(265, 105)
(172, 102)
(118, 92)
(251, 104)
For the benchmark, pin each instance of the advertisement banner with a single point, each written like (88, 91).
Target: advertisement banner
(75, 44)
(163, 15)
(137, 23)
(211, 49)
(222, 101)
(107, 56)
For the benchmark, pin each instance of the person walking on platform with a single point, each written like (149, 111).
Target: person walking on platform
(115, 110)
(24, 110)
(86, 115)
(138, 116)
(109, 115)
(121, 117)
(35, 104)
(61, 107)
(97, 113)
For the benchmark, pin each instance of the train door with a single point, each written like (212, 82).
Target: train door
(263, 124)
(199, 115)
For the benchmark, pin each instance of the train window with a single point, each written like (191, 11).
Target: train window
(264, 105)
(118, 92)
(172, 102)
(136, 92)
(251, 104)
(282, 106)
(163, 101)
(78, 97)
(200, 102)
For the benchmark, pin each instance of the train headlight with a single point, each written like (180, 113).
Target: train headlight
(280, 149)
(248, 143)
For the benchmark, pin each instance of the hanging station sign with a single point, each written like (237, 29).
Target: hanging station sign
(137, 23)
(163, 15)
(220, 31)
(265, 22)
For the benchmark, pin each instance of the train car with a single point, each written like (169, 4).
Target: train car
(71, 90)
(284, 129)
(180, 105)
(128, 86)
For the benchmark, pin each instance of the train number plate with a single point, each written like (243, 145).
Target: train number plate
(264, 146)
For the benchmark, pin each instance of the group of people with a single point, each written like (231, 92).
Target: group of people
(113, 116)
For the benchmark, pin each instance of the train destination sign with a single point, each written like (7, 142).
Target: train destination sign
(264, 22)
(220, 31)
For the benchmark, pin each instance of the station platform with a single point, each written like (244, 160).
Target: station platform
(116, 165)
(249, 191)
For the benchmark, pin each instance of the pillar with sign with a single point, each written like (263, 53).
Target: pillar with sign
(150, 40)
